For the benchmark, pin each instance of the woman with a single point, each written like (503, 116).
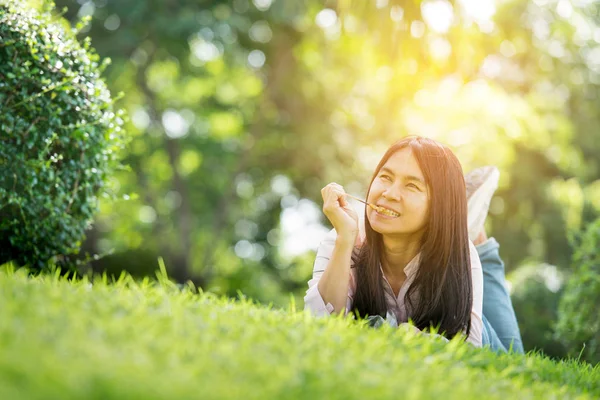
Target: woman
(414, 259)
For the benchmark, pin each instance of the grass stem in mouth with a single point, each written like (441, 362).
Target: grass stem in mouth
(379, 209)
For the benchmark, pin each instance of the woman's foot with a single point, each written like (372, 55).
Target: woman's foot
(481, 184)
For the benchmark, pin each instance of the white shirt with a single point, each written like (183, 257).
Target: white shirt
(314, 302)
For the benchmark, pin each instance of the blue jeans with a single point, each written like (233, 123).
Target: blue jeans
(500, 328)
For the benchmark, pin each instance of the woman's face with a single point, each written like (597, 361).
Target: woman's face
(400, 187)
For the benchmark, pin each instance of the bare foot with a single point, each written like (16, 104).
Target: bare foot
(481, 238)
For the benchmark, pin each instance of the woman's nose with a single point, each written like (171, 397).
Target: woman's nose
(392, 193)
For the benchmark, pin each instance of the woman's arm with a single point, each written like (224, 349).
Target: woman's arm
(332, 286)
(329, 291)
(334, 283)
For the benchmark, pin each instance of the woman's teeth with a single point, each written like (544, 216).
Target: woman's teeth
(387, 212)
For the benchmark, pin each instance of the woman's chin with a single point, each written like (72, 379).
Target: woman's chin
(382, 226)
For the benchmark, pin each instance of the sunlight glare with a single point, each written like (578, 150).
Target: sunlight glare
(438, 15)
(440, 48)
(326, 18)
(479, 10)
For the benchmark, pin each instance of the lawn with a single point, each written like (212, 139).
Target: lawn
(61, 339)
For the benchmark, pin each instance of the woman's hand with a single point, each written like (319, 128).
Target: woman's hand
(337, 209)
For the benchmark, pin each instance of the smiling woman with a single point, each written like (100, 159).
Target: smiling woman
(412, 259)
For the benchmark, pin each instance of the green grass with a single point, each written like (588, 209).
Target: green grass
(149, 340)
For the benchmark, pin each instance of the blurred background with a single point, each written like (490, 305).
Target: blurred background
(241, 111)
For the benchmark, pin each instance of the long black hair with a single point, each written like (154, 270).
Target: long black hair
(441, 294)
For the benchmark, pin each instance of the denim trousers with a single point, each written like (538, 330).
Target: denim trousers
(500, 328)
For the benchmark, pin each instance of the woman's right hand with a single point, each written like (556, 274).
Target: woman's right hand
(339, 212)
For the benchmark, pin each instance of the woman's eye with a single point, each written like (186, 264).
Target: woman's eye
(386, 177)
(412, 185)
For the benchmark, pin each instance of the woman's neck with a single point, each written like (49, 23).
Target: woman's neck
(397, 253)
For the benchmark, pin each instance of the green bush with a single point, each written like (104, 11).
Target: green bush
(579, 313)
(60, 136)
(537, 289)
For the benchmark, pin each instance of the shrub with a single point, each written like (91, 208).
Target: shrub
(537, 289)
(60, 136)
(578, 314)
